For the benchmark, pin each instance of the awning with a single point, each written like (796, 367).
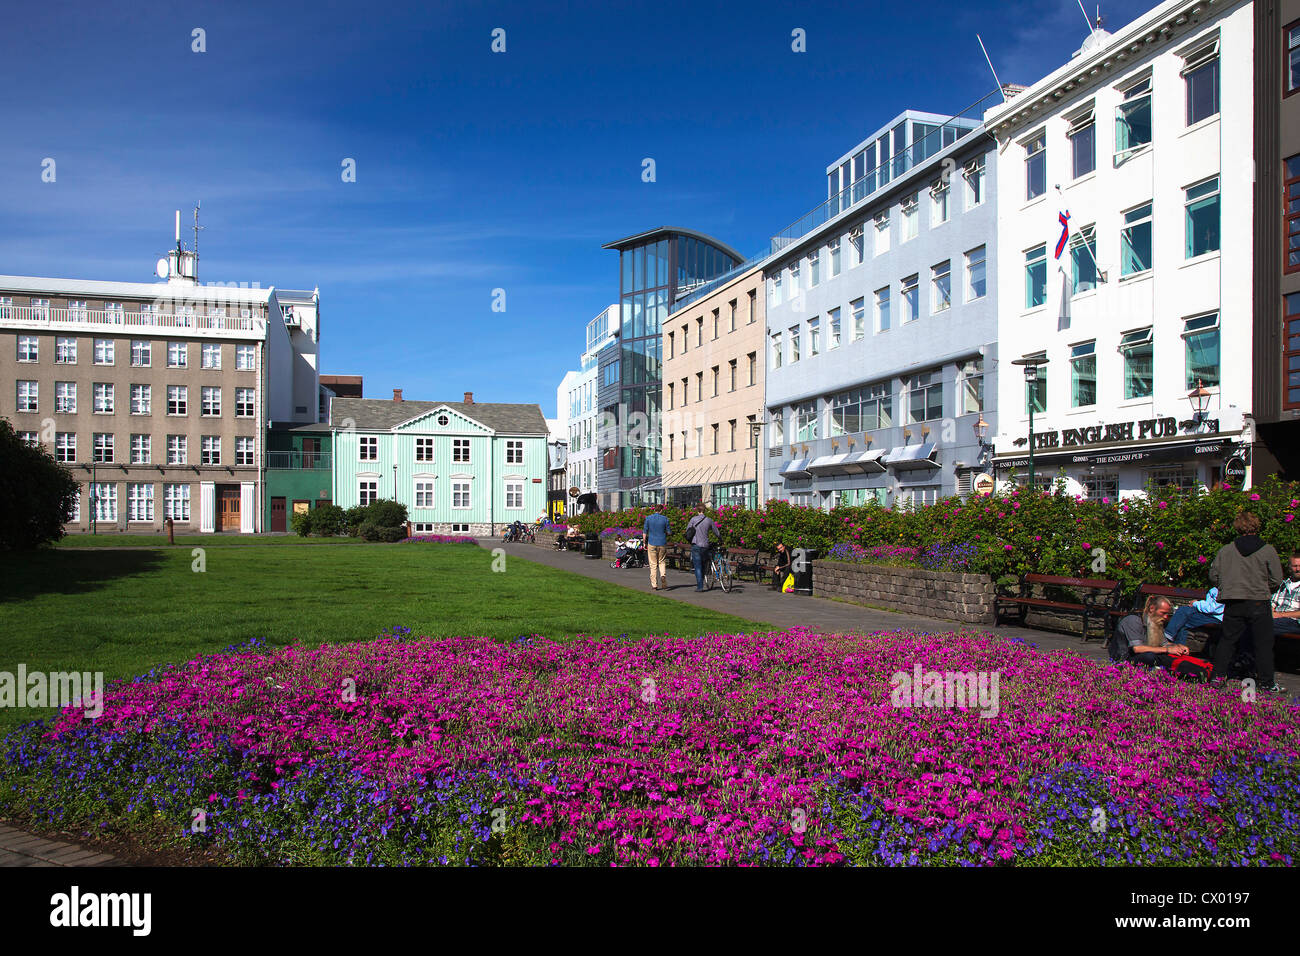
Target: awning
(798, 468)
(912, 456)
(1217, 448)
(829, 465)
(867, 462)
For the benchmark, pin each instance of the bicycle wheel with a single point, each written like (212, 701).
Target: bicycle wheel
(724, 575)
(708, 576)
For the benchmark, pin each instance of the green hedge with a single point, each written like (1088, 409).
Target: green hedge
(1163, 537)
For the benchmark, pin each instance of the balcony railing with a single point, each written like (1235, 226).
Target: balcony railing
(120, 318)
(298, 460)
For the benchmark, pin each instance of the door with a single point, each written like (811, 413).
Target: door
(228, 508)
(278, 522)
(310, 449)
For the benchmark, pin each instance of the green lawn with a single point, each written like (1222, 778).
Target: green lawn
(126, 612)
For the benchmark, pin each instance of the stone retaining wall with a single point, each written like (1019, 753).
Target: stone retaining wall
(950, 595)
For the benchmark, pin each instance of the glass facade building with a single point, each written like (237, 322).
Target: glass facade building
(656, 269)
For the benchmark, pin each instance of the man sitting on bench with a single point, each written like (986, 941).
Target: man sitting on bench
(1286, 601)
(1140, 639)
(1196, 615)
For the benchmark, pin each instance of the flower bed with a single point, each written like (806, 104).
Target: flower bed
(769, 747)
(441, 539)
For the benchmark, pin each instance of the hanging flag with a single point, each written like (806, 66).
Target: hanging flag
(1064, 219)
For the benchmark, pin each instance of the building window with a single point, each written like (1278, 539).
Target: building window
(101, 447)
(753, 306)
(1177, 476)
(29, 396)
(423, 493)
(976, 266)
(424, 449)
(672, 350)
(460, 494)
(1292, 67)
(141, 353)
(1036, 394)
(973, 173)
(795, 286)
(882, 309)
(699, 386)
(177, 450)
(141, 449)
(243, 451)
(139, 502)
(1202, 336)
(178, 355)
(244, 358)
(731, 430)
(1203, 218)
(245, 402)
(28, 348)
(833, 329)
(141, 399)
(103, 494)
(39, 309)
(861, 409)
(753, 368)
(671, 393)
(714, 436)
(731, 375)
(514, 452)
(148, 312)
(776, 355)
(835, 257)
(1135, 241)
(102, 398)
(210, 450)
(858, 316)
(460, 449)
(925, 397)
(1083, 143)
(794, 344)
(1139, 363)
(65, 397)
(1291, 214)
(1036, 277)
(939, 209)
(941, 286)
(104, 351)
(1083, 260)
(778, 430)
(1083, 375)
(65, 351)
(7, 307)
(367, 491)
(210, 401)
(714, 378)
(882, 233)
(1133, 118)
(972, 387)
(814, 268)
(857, 242)
(31, 438)
(805, 421)
(1201, 74)
(176, 501)
(814, 336)
(773, 295)
(911, 299)
(1036, 166)
(731, 316)
(716, 326)
(211, 355)
(908, 209)
(1104, 487)
(368, 448)
(1291, 329)
(65, 446)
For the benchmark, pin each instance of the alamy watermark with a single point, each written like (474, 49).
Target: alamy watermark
(970, 689)
(56, 689)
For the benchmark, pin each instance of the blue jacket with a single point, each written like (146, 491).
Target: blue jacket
(1210, 605)
(656, 530)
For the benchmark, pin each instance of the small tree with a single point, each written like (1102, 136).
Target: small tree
(36, 493)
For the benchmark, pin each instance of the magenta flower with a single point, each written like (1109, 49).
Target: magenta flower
(1254, 497)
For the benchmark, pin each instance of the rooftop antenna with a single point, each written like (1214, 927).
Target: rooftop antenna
(197, 227)
(994, 72)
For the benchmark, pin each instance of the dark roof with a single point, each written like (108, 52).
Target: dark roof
(664, 232)
(377, 414)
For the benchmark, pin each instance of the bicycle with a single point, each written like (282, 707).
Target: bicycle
(719, 570)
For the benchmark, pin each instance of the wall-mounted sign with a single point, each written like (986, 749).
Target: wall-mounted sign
(983, 483)
(1150, 454)
(1234, 470)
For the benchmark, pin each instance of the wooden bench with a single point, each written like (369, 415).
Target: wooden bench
(750, 561)
(1094, 599)
(679, 557)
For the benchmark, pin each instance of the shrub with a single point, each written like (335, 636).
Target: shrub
(353, 518)
(386, 513)
(328, 521)
(36, 493)
(301, 522)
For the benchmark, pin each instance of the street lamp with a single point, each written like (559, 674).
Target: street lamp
(981, 434)
(1200, 399)
(1031, 365)
(756, 431)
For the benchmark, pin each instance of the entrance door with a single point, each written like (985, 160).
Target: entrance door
(278, 522)
(310, 449)
(228, 508)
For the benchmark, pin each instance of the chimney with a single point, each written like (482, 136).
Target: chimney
(397, 394)
(469, 398)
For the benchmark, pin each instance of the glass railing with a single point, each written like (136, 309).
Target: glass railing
(298, 460)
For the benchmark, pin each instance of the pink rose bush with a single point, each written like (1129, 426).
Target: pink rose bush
(777, 748)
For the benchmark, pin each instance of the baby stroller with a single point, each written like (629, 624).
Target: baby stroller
(631, 555)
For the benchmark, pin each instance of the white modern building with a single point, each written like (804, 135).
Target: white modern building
(1139, 304)
(577, 397)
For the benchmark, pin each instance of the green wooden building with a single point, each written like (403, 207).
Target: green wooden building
(299, 472)
(459, 467)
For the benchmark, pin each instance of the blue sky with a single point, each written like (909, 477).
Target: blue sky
(475, 170)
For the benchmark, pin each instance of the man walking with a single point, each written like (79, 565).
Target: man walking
(698, 530)
(655, 530)
(1247, 572)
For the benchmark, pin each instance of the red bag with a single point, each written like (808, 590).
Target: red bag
(1194, 669)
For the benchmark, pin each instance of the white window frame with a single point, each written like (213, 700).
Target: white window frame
(178, 450)
(367, 448)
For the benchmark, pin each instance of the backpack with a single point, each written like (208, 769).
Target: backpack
(1190, 668)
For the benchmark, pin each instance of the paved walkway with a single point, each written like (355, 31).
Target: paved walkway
(23, 849)
(759, 603)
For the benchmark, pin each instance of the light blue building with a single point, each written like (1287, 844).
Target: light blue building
(882, 323)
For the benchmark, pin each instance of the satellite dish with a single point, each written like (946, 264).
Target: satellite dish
(161, 268)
